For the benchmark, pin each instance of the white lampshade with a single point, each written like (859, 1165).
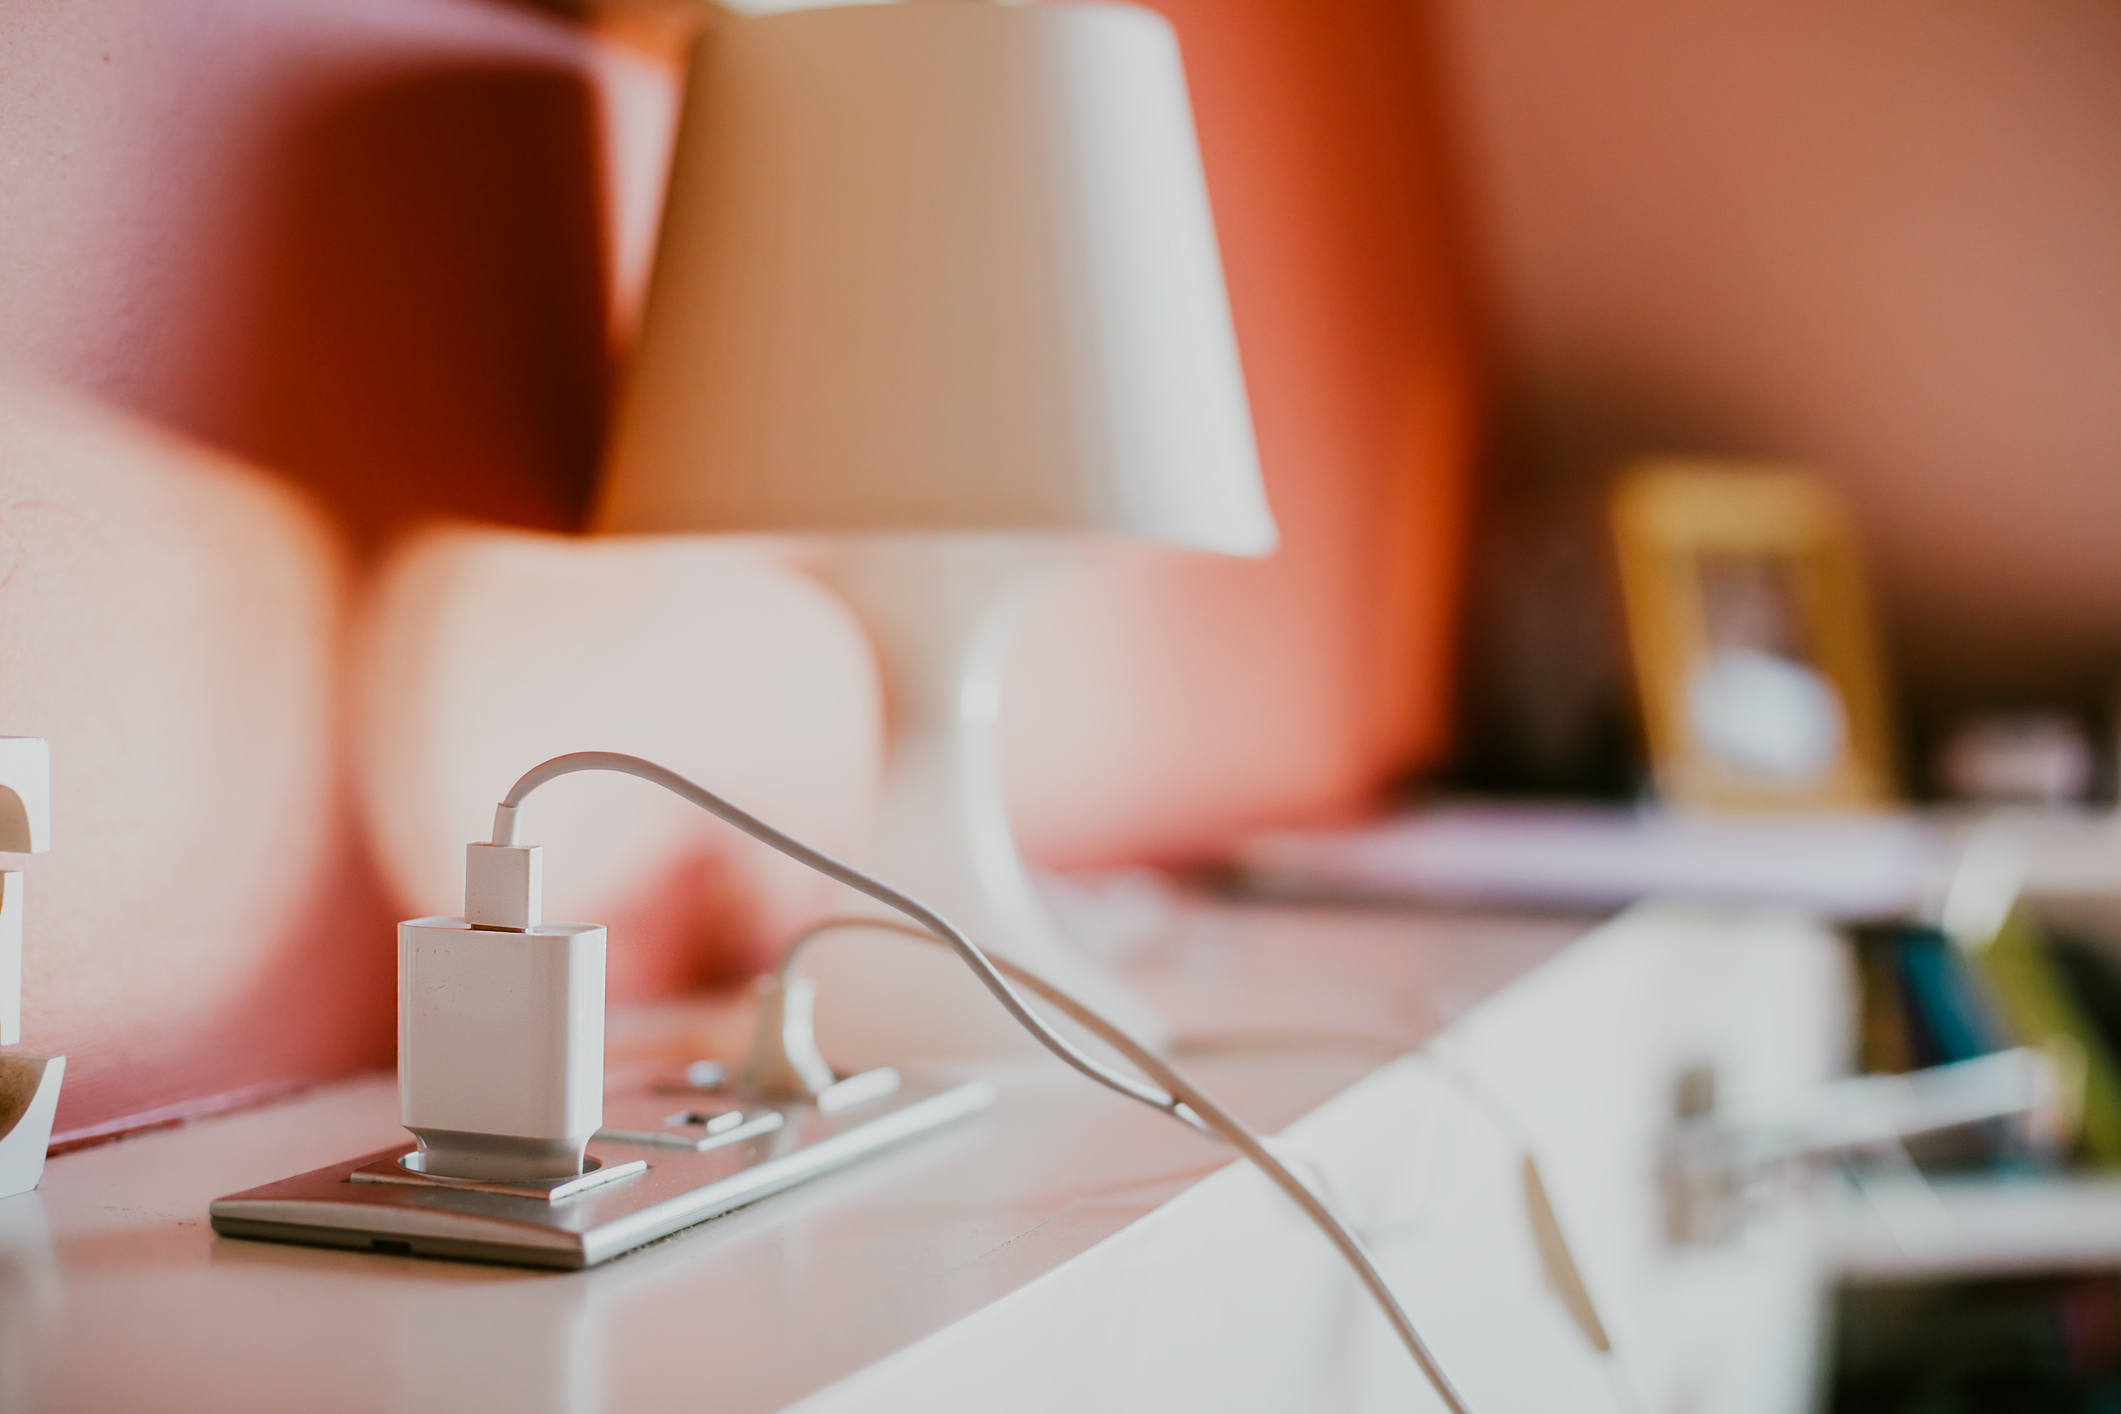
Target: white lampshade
(939, 267)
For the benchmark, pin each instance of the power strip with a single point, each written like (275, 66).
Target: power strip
(668, 1158)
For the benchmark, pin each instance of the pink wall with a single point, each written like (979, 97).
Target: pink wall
(207, 924)
(1882, 238)
(1325, 668)
(362, 242)
(384, 249)
(366, 243)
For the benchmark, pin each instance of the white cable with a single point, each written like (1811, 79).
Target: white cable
(1180, 1098)
(1564, 1273)
(505, 834)
(1203, 1114)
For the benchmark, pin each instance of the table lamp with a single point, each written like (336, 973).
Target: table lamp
(938, 289)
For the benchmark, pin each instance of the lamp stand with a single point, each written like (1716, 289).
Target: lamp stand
(940, 612)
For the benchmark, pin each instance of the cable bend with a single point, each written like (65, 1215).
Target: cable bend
(831, 868)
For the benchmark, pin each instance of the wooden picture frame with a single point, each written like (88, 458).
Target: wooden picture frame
(1755, 656)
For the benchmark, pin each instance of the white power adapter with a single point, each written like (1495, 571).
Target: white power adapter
(501, 1028)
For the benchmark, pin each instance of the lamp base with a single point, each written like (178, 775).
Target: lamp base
(940, 612)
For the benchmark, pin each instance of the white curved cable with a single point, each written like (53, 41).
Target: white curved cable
(1180, 1098)
(505, 834)
(1203, 1114)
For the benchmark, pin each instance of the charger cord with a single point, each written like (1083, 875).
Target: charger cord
(1564, 1275)
(1202, 1114)
(1179, 1097)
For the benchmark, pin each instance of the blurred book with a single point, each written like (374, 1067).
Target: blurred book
(1951, 1015)
(2040, 1008)
(1555, 856)
(1887, 1036)
(1926, 1001)
(2095, 980)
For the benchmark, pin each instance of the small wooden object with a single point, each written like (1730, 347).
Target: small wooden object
(1752, 639)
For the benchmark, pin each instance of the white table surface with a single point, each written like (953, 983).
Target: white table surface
(116, 1295)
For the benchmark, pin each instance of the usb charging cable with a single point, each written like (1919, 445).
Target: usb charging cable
(1178, 1097)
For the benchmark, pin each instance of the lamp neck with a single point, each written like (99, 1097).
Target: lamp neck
(939, 613)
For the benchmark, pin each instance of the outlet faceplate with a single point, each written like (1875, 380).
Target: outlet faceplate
(682, 1184)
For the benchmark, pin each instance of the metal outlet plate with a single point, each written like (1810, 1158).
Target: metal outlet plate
(680, 1186)
(406, 1169)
